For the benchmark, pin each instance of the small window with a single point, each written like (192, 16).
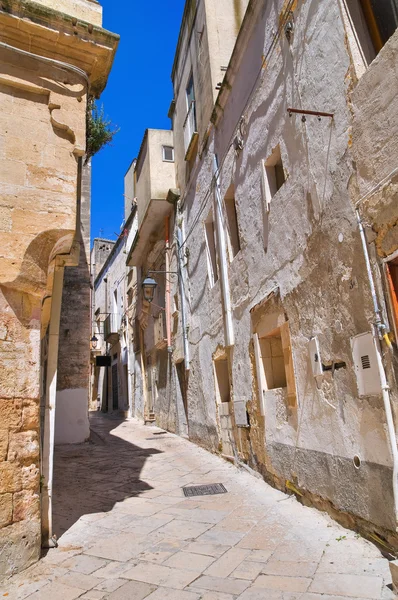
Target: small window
(168, 153)
(273, 176)
(223, 387)
(274, 362)
(232, 223)
(211, 247)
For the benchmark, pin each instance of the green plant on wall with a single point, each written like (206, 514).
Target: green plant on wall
(100, 131)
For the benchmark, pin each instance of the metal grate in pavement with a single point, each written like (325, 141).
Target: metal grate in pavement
(204, 490)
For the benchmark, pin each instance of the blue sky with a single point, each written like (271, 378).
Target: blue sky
(137, 96)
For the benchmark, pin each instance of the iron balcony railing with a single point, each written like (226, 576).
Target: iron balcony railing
(190, 130)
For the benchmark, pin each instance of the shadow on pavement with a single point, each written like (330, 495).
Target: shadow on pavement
(92, 477)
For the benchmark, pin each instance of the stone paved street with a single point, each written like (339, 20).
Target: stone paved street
(126, 531)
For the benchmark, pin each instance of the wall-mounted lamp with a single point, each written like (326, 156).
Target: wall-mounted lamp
(94, 342)
(148, 287)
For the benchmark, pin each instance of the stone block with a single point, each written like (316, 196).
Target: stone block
(79, 580)
(393, 564)
(12, 172)
(351, 586)
(30, 415)
(30, 477)
(24, 447)
(50, 179)
(20, 544)
(3, 443)
(23, 150)
(283, 584)
(5, 218)
(26, 506)
(5, 509)
(189, 561)
(224, 566)
(161, 575)
(220, 584)
(132, 589)
(10, 477)
(31, 221)
(10, 413)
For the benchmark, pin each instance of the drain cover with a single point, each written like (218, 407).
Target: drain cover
(204, 490)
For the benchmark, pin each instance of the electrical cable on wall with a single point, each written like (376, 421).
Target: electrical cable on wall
(236, 128)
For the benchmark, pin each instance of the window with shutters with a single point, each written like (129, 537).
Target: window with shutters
(373, 22)
(391, 271)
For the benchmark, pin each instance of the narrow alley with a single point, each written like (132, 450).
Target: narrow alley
(127, 532)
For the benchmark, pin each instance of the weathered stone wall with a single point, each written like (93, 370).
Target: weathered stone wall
(111, 278)
(71, 422)
(206, 41)
(87, 10)
(38, 205)
(307, 249)
(42, 136)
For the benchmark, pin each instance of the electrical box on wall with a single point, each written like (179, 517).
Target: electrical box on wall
(315, 357)
(365, 364)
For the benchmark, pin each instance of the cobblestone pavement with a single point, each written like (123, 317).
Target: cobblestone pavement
(126, 531)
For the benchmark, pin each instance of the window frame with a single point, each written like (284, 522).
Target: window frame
(170, 160)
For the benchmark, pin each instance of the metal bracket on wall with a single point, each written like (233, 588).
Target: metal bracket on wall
(313, 113)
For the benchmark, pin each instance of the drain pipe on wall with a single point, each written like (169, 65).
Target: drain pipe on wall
(48, 540)
(183, 303)
(379, 332)
(229, 330)
(168, 292)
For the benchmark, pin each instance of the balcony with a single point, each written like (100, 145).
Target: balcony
(190, 131)
(154, 178)
(111, 328)
(159, 331)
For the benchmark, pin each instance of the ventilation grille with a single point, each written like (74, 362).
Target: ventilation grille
(204, 490)
(365, 361)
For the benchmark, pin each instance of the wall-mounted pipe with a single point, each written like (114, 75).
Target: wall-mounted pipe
(378, 331)
(168, 290)
(49, 412)
(183, 302)
(222, 244)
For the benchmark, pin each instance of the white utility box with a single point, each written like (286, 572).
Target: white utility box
(365, 364)
(315, 357)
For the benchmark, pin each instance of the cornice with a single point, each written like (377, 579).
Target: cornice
(46, 32)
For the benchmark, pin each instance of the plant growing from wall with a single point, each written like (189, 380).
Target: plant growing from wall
(100, 131)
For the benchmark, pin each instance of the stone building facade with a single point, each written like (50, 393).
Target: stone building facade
(282, 252)
(52, 56)
(111, 383)
(149, 250)
(73, 377)
(280, 296)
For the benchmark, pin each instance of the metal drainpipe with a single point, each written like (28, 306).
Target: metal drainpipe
(223, 259)
(183, 304)
(50, 409)
(379, 331)
(168, 291)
